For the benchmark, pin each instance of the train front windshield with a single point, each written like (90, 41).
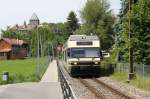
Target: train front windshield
(85, 52)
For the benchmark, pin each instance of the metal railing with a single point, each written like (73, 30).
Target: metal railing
(66, 88)
(42, 64)
(140, 69)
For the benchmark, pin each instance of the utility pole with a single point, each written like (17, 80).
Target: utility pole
(131, 72)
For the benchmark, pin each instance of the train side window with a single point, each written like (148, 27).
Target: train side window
(68, 52)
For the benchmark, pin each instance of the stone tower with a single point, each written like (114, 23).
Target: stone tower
(34, 20)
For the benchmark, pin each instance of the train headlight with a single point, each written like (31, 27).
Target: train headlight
(75, 63)
(96, 62)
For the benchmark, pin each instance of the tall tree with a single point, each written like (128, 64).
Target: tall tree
(140, 37)
(72, 23)
(140, 19)
(98, 20)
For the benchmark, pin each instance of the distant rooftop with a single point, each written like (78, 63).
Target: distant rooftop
(34, 17)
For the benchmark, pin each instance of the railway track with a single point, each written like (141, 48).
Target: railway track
(123, 95)
(102, 90)
(92, 88)
(80, 91)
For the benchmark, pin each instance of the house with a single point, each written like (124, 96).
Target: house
(13, 48)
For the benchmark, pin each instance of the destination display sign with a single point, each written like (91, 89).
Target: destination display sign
(84, 43)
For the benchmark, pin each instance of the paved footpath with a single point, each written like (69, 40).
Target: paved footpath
(51, 74)
(47, 88)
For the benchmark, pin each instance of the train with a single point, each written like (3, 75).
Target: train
(81, 53)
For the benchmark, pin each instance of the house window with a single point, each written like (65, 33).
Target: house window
(2, 54)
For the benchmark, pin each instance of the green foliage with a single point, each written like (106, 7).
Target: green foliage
(72, 23)
(98, 20)
(41, 38)
(86, 29)
(11, 33)
(113, 59)
(140, 20)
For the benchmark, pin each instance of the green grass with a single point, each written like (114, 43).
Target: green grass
(119, 76)
(23, 67)
(139, 82)
(143, 83)
(23, 70)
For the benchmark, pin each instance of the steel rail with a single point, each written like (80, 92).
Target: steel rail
(92, 89)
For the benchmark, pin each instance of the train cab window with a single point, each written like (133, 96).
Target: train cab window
(92, 52)
(85, 52)
(77, 53)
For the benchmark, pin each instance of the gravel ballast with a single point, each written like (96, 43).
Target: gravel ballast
(126, 88)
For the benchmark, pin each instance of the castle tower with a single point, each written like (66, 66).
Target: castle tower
(34, 20)
(25, 24)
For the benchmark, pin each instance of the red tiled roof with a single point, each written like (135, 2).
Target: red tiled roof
(14, 41)
(5, 50)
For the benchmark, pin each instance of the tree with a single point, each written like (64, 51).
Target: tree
(140, 37)
(98, 20)
(141, 32)
(72, 23)
(11, 33)
(39, 37)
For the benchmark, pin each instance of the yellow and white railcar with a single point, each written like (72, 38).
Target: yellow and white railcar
(81, 52)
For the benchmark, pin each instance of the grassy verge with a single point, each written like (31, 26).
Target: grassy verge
(23, 70)
(143, 83)
(139, 82)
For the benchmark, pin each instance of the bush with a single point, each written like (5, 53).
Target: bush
(107, 68)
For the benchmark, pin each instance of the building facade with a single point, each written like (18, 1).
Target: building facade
(13, 49)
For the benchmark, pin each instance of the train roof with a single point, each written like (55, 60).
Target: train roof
(82, 38)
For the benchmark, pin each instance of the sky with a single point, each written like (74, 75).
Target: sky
(17, 11)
